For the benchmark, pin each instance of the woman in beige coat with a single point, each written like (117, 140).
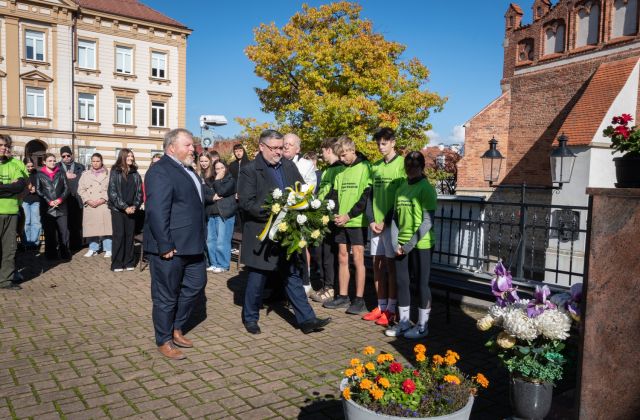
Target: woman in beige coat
(96, 219)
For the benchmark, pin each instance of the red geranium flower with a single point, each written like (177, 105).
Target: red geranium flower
(395, 367)
(626, 118)
(408, 386)
(416, 373)
(622, 130)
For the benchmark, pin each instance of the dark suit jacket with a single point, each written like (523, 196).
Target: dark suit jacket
(174, 214)
(255, 182)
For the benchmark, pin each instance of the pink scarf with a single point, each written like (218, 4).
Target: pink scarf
(51, 174)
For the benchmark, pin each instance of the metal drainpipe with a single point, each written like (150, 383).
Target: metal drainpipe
(74, 37)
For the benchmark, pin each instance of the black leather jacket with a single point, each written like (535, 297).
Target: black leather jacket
(116, 199)
(225, 188)
(50, 190)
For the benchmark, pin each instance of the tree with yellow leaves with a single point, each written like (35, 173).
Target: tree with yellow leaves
(328, 74)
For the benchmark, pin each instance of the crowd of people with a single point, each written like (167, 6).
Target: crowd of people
(389, 204)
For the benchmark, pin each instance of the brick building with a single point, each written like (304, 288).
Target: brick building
(95, 75)
(569, 71)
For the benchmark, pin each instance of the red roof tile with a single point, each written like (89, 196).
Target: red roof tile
(587, 114)
(516, 8)
(129, 8)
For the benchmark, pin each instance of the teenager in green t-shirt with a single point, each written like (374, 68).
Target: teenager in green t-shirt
(328, 266)
(412, 237)
(352, 186)
(386, 175)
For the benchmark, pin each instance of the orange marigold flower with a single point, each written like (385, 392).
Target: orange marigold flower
(355, 362)
(381, 359)
(481, 380)
(349, 373)
(370, 366)
(438, 360)
(376, 393)
(384, 382)
(452, 356)
(359, 371)
(452, 379)
(420, 357)
(419, 348)
(389, 357)
(366, 384)
(346, 393)
(369, 350)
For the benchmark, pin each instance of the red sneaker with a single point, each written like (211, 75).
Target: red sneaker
(373, 315)
(385, 318)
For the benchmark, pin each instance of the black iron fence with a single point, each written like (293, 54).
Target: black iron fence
(537, 242)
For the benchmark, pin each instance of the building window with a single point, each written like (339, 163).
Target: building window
(588, 21)
(124, 60)
(84, 155)
(158, 65)
(35, 103)
(34, 42)
(124, 111)
(625, 18)
(554, 39)
(158, 112)
(525, 50)
(86, 54)
(86, 107)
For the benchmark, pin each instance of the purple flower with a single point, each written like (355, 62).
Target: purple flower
(502, 286)
(573, 304)
(540, 302)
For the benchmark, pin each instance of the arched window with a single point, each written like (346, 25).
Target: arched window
(625, 18)
(588, 22)
(554, 39)
(525, 50)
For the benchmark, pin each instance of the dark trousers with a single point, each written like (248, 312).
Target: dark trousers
(416, 264)
(74, 222)
(328, 262)
(123, 226)
(56, 234)
(292, 285)
(8, 223)
(175, 286)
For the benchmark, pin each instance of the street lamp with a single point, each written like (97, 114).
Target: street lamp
(491, 162)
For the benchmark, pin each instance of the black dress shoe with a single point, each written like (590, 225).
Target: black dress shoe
(316, 324)
(252, 328)
(11, 286)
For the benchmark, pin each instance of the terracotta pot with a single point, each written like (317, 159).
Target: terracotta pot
(627, 171)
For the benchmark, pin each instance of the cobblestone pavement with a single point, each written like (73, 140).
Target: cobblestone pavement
(77, 342)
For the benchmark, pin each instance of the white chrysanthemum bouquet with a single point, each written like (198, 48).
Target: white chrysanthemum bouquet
(297, 218)
(533, 330)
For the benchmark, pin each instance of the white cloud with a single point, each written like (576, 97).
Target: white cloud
(457, 134)
(434, 137)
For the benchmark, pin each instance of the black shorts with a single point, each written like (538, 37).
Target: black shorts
(351, 236)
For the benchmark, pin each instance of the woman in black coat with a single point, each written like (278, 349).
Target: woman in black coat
(125, 198)
(52, 187)
(221, 206)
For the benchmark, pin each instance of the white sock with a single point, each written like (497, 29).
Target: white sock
(404, 313)
(382, 304)
(391, 305)
(307, 288)
(423, 317)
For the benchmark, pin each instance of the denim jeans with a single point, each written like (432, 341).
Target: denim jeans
(32, 224)
(94, 243)
(219, 234)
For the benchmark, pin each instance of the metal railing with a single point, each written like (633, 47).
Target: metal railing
(537, 242)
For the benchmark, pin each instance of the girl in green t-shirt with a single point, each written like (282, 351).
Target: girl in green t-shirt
(412, 239)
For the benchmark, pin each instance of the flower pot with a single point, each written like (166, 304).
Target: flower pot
(353, 411)
(530, 400)
(627, 171)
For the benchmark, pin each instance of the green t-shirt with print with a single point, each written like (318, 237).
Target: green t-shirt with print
(328, 177)
(386, 178)
(411, 200)
(350, 184)
(11, 171)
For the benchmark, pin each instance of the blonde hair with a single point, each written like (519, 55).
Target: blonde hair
(343, 143)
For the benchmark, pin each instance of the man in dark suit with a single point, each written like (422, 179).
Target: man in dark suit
(257, 179)
(174, 240)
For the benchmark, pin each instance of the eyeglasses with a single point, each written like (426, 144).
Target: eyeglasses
(272, 148)
(66, 156)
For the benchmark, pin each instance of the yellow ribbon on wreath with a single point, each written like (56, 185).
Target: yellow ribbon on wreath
(271, 227)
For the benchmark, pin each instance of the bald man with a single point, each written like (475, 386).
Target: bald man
(292, 152)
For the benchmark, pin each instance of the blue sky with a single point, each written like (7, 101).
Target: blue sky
(461, 45)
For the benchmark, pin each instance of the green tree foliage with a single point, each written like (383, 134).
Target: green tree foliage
(328, 73)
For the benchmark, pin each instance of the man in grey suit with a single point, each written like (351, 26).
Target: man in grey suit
(257, 179)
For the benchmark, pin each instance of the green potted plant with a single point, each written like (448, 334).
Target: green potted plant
(379, 387)
(625, 139)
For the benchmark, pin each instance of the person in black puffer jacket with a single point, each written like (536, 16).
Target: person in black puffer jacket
(125, 198)
(221, 207)
(52, 187)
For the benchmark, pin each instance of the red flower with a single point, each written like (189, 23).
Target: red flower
(416, 373)
(626, 118)
(395, 367)
(622, 130)
(408, 386)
